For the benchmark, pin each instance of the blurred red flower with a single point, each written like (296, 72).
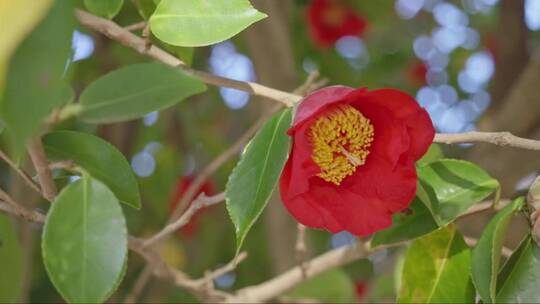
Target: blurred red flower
(329, 20)
(352, 163)
(182, 185)
(417, 73)
(361, 290)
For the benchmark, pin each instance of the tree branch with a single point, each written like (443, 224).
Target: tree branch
(37, 154)
(125, 37)
(496, 138)
(25, 176)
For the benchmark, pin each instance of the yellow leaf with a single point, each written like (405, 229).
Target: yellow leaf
(17, 19)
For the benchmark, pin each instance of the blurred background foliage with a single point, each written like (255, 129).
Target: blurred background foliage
(446, 53)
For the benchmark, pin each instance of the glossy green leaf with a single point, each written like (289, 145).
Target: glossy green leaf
(454, 186)
(486, 255)
(407, 227)
(434, 153)
(519, 279)
(84, 243)
(134, 91)
(200, 23)
(34, 84)
(333, 286)
(101, 159)
(104, 8)
(436, 269)
(10, 262)
(253, 179)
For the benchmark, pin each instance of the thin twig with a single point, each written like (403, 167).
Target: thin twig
(283, 282)
(496, 138)
(135, 26)
(208, 278)
(139, 285)
(9, 205)
(25, 176)
(125, 37)
(37, 154)
(300, 247)
(200, 202)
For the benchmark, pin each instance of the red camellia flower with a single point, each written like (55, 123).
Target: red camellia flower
(181, 186)
(352, 163)
(329, 20)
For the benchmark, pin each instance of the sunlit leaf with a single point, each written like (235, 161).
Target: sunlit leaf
(200, 23)
(84, 243)
(133, 91)
(436, 269)
(17, 19)
(453, 186)
(486, 255)
(256, 174)
(101, 159)
(11, 262)
(35, 84)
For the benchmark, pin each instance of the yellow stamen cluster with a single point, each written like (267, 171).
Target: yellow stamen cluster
(341, 140)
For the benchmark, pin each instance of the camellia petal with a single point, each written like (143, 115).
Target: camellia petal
(352, 160)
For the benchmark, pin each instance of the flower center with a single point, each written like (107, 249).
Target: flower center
(341, 142)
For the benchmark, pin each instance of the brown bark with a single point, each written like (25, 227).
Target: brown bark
(511, 49)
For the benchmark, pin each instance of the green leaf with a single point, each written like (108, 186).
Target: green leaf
(10, 262)
(134, 91)
(407, 227)
(34, 84)
(84, 243)
(253, 179)
(434, 153)
(104, 8)
(436, 269)
(101, 159)
(200, 23)
(333, 286)
(519, 279)
(145, 8)
(486, 255)
(453, 186)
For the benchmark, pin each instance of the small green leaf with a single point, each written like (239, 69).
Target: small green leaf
(200, 23)
(453, 186)
(10, 262)
(84, 243)
(486, 255)
(519, 279)
(407, 227)
(104, 8)
(436, 269)
(35, 84)
(101, 159)
(333, 286)
(253, 179)
(134, 91)
(145, 8)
